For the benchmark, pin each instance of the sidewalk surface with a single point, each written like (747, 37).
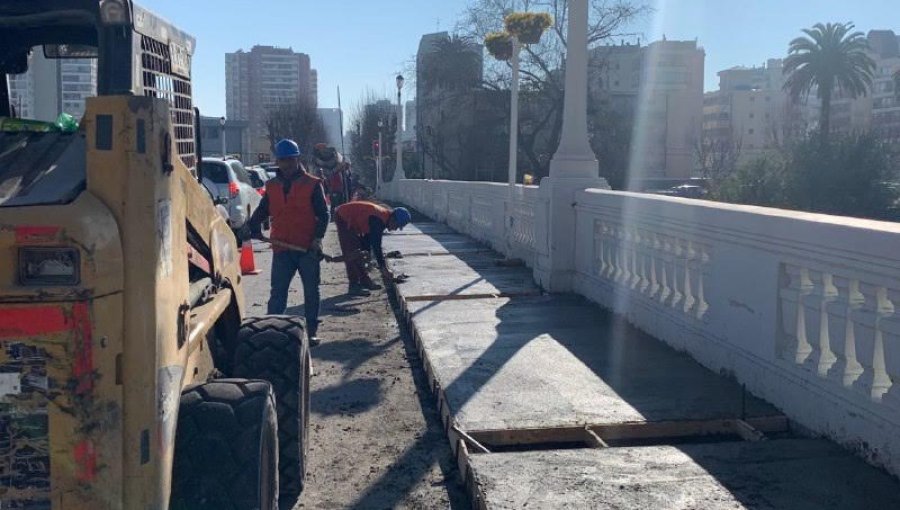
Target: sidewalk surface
(579, 410)
(375, 438)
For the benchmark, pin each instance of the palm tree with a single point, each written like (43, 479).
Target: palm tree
(455, 64)
(830, 56)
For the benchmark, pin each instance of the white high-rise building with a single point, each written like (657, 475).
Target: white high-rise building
(262, 79)
(21, 94)
(331, 118)
(659, 87)
(751, 112)
(77, 82)
(409, 129)
(53, 86)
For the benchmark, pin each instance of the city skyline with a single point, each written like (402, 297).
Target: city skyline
(360, 63)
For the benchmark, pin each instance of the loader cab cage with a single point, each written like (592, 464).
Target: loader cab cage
(138, 53)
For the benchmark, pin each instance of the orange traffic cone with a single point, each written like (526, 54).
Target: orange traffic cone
(248, 263)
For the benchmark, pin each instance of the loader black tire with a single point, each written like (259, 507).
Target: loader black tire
(226, 447)
(274, 348)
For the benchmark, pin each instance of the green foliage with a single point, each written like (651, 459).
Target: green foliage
(610, 136)
(831, 56)
(528, 26)
(456, 65)
(761, 181)
(850, 176)
(499, 45)
(364, 132)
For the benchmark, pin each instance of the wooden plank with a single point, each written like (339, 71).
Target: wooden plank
(594, 440)
(469, 440)
(653, 430)
(510, 437)
(748, 432)
(600, 434)
(460, 297)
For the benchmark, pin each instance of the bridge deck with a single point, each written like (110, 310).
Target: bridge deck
(547, 382)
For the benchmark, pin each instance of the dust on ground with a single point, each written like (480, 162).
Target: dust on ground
(376, 440)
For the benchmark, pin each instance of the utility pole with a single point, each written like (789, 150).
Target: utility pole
(398, 142)
(378, 163)
(222, 135)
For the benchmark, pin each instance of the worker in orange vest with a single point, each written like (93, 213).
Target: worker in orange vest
(360, 227)
(337, 186)
(295, 200)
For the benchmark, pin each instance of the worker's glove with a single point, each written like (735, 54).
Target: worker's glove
(316, 245)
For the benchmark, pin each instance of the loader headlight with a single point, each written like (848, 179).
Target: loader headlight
(114, 12)
(49, 266)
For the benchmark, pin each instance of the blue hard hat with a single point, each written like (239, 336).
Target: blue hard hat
(287, 149)
(401, 216)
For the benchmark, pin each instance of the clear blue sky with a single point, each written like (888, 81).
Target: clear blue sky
(362, 44)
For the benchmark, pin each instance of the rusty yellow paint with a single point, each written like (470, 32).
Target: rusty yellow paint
(130, 227)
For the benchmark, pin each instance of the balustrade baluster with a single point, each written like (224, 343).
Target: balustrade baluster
(865, 321)
(826, 357)
(689, 264)
(634, 247)
(666, 290)
(675, 258)
(702, 304)
(644, 250)
(654, 256)
(793, 315)
(890, 331)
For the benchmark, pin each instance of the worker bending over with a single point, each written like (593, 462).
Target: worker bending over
(360, 227)
(295, 200)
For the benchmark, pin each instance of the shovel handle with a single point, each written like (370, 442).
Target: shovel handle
(293, 247)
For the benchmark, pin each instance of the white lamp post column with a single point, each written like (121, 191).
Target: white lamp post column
(378, 162)
(398, 170)
(573, 168)
(514, 113)
(574, 157)
(222, 135)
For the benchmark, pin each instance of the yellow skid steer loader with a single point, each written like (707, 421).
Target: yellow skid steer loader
(128, 375)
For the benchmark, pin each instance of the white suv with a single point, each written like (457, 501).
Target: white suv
(227, 178)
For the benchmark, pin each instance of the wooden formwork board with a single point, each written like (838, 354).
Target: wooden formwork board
(749, 429)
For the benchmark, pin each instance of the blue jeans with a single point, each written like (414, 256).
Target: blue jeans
(284, 265)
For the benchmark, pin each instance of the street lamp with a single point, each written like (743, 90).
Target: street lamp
(398, 170)
(222, 134)
(378, 162)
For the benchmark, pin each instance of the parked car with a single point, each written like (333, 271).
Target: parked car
(258, 178)
(228, 179)
(271, 169)
(684, 190)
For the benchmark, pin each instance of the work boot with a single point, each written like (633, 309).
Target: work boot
(370, 285)
(356, 289)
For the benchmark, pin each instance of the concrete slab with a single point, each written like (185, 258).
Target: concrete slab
(796, 474)
(422, 228)
(453, 277)
(411, 245)
(548, 361)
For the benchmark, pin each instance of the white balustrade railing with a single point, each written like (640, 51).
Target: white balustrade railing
(802, 308)
(487, 211)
